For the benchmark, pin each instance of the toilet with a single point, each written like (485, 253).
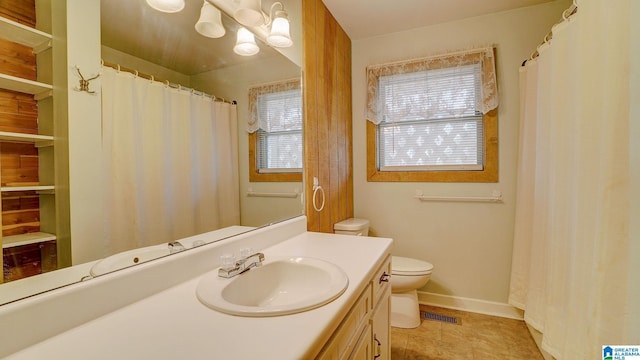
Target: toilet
(407, 276)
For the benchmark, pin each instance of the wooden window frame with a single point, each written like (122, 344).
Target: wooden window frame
(489, 173)
(256, 176)
(254, 173)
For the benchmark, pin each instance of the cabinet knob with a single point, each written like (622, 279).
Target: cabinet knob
(384, 278)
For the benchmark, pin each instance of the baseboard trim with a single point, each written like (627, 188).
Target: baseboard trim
(472, 305)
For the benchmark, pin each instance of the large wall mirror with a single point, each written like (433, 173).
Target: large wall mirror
(165, 46)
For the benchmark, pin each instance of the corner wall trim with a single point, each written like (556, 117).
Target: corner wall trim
(471, 305)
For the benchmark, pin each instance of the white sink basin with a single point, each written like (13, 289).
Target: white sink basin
(279, 287)
(129, 258)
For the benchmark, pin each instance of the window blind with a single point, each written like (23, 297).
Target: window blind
(280, 138)
(430, 120)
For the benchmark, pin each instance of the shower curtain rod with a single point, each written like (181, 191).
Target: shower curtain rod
(166, 82)
(572, 10)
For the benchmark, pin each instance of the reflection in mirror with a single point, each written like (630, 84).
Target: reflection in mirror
(167, 49)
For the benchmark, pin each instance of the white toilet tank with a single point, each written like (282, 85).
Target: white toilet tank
(352, 226)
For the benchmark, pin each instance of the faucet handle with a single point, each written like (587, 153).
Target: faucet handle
(246, 252)
(227, 261)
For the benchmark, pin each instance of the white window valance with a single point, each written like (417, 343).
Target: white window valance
(275, 106)
(430, 104)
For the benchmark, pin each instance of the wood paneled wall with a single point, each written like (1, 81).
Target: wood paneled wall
(327, 116)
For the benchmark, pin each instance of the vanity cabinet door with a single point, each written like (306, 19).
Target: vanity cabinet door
(362, 350)
(381, 339)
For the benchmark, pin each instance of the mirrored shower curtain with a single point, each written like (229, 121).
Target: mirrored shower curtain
(572, 272)
(170, 161)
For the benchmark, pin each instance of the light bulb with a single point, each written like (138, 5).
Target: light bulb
(245, 43)
(279, 35)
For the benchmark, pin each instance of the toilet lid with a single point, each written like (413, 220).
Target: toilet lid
(408, 266)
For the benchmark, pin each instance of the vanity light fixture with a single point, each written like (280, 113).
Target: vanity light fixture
(245, 43)
(249, 13)
(168, 6)
(279, 35)
(210, 22)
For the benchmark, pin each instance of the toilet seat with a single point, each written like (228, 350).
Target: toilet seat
(409, 267)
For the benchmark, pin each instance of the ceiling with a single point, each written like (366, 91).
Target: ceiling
(170, 40)
(366, 18)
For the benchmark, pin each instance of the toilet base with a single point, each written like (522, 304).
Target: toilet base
(405, 310)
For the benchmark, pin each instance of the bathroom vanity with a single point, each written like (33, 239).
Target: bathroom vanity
(364, 332)
(152, 311)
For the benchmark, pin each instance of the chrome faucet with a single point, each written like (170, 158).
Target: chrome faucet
(242, 265)
(175, 246)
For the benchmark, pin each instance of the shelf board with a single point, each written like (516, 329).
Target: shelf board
(37, 140)
(46, 188)
(26, 239)
(40, 90)
(24, 35)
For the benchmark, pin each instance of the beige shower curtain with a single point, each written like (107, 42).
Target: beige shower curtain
(170, 158)
(573, 271)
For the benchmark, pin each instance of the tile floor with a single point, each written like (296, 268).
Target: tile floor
(477, 337)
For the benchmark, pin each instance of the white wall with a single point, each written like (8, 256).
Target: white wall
(143, 66)
(469, 244)
(77, 128)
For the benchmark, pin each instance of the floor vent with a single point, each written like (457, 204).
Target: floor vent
(442, 318)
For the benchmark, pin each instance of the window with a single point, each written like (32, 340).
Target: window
(275, 140)
(433, 119)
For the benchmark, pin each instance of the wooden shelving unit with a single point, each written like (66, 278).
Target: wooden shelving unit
(26, 239)
(22, 190)
(37, 140)
(40, 188)
(24, 35)
(26, 86)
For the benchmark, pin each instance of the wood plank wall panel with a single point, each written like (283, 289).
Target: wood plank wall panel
(18, 112)
(309, 86)
(327, 127)
(17, 60)
(22, 11)
(326, 114)
(346, 148)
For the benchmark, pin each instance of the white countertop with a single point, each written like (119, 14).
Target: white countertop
(173, 324)
(22, 288)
